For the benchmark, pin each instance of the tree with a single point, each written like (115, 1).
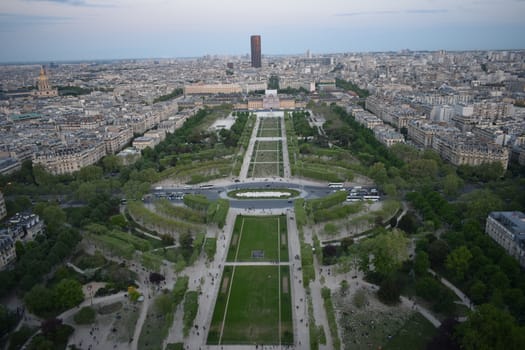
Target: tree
(90, 173)
(408, 223)
(54, 217)
(389, 291)
(378, 173)
(489, 328)
(458, 262)
(437, 252)
(423, 168)
(135, 189)
(111, 163)
(40, 300)
(19, 249)
(118, 220)
(444, 338)
(388, 249)
(42, 177)
(451, 184)
(479, 203)
(273, 82)
(478, 291)
(428, 288)
(186, 241)
(345, 286)
(7, 320)
(156, 278)
(421, 263)
(68, 293)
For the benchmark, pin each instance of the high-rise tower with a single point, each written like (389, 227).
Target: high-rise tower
(256, 51)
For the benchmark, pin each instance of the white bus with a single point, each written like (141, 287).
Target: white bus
(335, 185)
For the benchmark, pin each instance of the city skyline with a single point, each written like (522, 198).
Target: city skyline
(56, 30)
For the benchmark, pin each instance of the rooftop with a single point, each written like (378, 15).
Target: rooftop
(514, 221)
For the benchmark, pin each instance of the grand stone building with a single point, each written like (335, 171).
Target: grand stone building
(507, 228)
(43, 87)
(67, 160)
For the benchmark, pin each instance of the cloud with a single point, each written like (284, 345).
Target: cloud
(26, 19)
(366, 13)
(387, 12)
(80, 3)
(426, 11)
(11, 22)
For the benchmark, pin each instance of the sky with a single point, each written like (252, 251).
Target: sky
(59, 30)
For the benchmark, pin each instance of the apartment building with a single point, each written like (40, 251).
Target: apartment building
(7, 251)
(464, 150)
(211, 89)
(25, 226)
(507, 228)
(3, 211)
(67, 160)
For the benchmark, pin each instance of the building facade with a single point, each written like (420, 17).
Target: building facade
(507, 228)
(211, 89)
(70, 159)
(43, 87)
(255, 41)
(25, 227)
(3, 211)
(7, 251)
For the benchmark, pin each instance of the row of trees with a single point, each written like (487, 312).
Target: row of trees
(452, 222)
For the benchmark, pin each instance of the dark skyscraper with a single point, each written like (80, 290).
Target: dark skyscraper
(256, 51)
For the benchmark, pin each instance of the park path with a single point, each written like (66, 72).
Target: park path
(286, 158)
(249, 151)
(317, 300)
(464, 299)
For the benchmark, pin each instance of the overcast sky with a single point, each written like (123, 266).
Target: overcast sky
(54, 30)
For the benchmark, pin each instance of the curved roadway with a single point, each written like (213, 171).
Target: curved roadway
(213, 193)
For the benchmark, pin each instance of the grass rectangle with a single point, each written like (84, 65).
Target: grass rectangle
(252, 309)
(267, 145)
(269, 123)
(269, 132)
(414, 334)
(259, 233)
(268, 156)
(266, 169)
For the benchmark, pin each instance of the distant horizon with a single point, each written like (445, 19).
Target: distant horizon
(80, 30)
(81, 60)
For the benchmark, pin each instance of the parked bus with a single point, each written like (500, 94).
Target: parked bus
(335, 185)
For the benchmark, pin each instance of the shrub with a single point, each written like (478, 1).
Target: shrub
(86, 315)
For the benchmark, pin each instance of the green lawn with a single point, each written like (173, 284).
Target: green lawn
(267, 145)
(415, 334)
(259, 233)
(252, 316)
(267, 132)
